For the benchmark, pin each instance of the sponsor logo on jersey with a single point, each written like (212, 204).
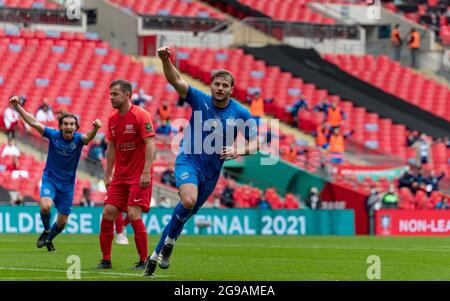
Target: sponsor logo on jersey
(148, 127)
(129, 129)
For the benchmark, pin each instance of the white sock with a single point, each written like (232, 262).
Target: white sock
(169, 241)
(154, 256)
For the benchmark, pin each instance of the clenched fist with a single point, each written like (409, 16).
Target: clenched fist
(97, 123)
(14, 100)
(164, 52)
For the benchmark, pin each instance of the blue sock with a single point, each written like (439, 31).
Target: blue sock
(179, 218)
(55, 231)
(46, 220)
(162, 239)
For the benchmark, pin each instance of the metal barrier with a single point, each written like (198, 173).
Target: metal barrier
(26, 17)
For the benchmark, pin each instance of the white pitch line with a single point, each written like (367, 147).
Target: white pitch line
(83, 272)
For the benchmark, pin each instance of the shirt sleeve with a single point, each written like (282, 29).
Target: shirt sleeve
(145, 124)
(49, 132)
(194, 97)
(109, 136)
(250, 130)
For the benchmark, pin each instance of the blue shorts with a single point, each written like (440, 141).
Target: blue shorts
(62, 198)
(185, 173)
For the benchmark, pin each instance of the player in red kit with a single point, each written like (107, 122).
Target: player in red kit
(129, 157)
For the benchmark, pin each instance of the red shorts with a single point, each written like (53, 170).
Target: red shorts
(124, 195)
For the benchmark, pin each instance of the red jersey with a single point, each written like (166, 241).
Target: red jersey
(127, 132)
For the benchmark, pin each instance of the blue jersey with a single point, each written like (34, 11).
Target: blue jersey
(210, 129)
(63, 157)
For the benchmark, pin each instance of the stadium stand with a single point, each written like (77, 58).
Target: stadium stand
(170, 8)
(400, 81)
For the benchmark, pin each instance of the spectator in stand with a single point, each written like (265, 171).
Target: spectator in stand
(313, 200)
(292, 152)
(226, 197)
(16, 198)
(140, 98)
(257, 107)
(168, 177)
(443, 203)
(423, 150)
(447, 141)
(406, 179)
(433, 179)
(414, 45)
(164, 113)
(11, 119)
(44, 114)
(96, 152)
(373, 203)
(86, 198)
(10, 149)
(334, 115)
(322, 106)
(296, 107)
(390, 198)
(396, 42)
(412, 137)
(336, 147)
(322, 134)
(62, 110)
(262, 202)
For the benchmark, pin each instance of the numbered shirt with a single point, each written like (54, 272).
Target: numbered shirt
(127, 132)
(63, 157)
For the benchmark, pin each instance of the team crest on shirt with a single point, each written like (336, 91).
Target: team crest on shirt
(184, 175)
(148, 127)
(129, 129)
(73, 146)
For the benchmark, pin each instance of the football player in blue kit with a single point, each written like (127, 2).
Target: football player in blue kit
(208, 141)
(58, 179)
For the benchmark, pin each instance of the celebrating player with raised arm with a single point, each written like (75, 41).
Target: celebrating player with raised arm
(58, 179)
(199, 163)
(129, 157)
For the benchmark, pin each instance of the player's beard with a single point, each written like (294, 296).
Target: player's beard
(67, 136)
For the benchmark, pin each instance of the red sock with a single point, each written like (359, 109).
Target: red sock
(140, 238)
(119, 223)
(126, 221)
(106, 238)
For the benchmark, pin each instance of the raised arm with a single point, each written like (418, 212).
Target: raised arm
(91, 134)
(171, 73)
(27, 117)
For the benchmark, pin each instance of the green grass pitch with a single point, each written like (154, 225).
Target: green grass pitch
(256, 258)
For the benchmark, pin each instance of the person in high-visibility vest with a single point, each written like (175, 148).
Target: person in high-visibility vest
(321, 134)
(257, 107)
(164, 112)
(396, 42)
(334, 115)
(414, 45)
(337, 145)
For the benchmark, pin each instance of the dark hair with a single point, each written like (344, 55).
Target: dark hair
(67, 115)
(125, 86)
(223, 73)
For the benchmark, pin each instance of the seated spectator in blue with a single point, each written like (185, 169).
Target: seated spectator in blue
(262, 203)
(322, 106)
(168, 177)
(96, 151)
(226, 198)
(434, 180)
(443, 204)
(164, 129)
(406, 179)
(297, 106)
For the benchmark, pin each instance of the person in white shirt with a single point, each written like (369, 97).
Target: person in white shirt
(11, 118)
(140, 98)
(45, 114)
(10, 149)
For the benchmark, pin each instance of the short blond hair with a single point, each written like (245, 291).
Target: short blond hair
(223, 73)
